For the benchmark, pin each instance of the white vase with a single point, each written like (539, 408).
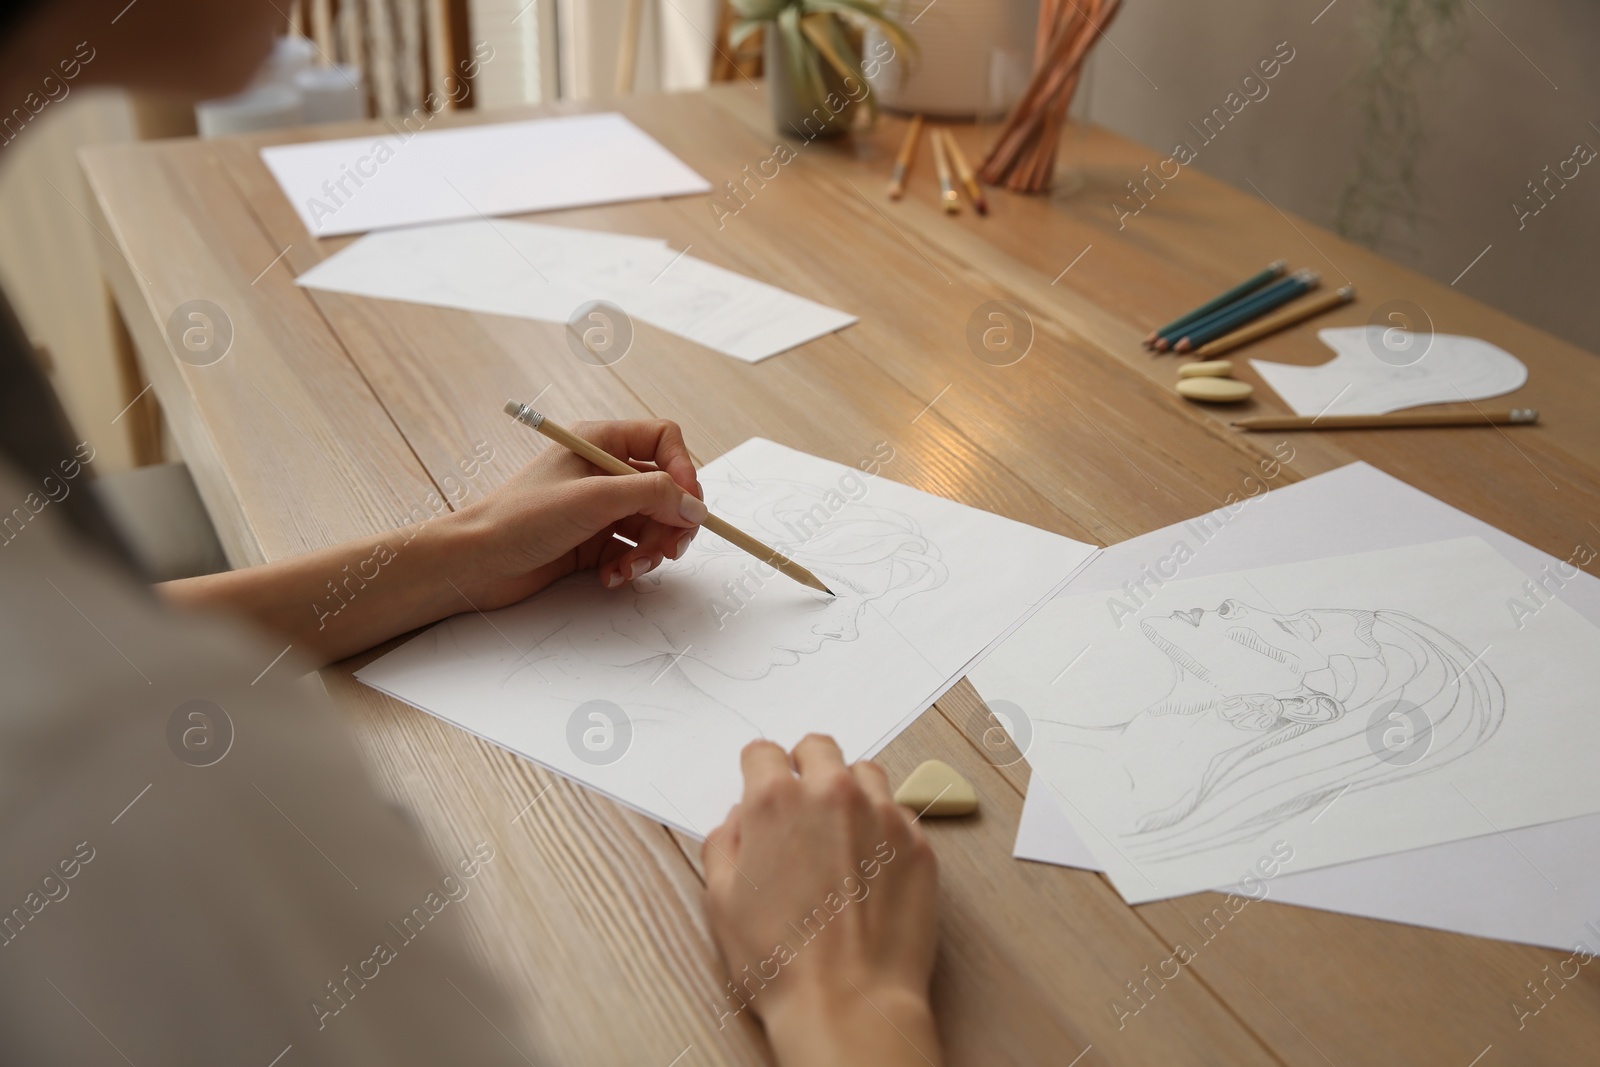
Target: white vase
(973, 57)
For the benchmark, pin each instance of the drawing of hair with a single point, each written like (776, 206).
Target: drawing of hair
(880, 554)
(874, 558)
(1305, 748)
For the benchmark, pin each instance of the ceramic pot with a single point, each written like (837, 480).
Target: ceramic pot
(792, 118)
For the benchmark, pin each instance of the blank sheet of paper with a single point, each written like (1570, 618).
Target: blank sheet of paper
(378, 182)
(647, 693)
(548, 272)
(1350, 706)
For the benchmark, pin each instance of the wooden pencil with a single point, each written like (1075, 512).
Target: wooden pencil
(1247, 310)
(902, 162)
(1272, 272)
(1273, 323)
(612, 465)
(947, 188)
(1503, 417)
(964, 172)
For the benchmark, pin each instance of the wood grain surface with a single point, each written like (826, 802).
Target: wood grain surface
(594, 923)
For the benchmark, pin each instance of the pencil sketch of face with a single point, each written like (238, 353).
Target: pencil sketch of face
(1239, 649)
(1270, 715)
(873, 558)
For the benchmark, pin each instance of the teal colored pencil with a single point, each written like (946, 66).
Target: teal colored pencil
(1246, 301)
(1231, 319)
(1217, 303)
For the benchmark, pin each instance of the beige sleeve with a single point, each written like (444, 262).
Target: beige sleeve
(196, 868)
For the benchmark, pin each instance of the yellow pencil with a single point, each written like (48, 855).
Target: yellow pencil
(902, 163)
(1273, 323)
(1508, 417)
(612, 465)
(964, 172)
(947, 189)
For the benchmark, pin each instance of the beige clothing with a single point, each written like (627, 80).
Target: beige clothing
(166, 899)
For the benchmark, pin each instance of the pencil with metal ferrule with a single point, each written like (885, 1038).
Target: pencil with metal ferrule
(1231, 318)
(1216, 303)
(612, 465)
(941, 163)
(1273, 323)
(902, 162)
(1396, 419)
(964, 172)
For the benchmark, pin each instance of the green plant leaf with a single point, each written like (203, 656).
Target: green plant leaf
(741, 31)
(804, 76)
(759, 10)
(870, 12)
(823, 30)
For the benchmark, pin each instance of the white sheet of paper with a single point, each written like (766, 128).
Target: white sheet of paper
(1353, 706)
(373, 183)
(548, 272)
(1535, 885)
(1376, 370)
(647, 693)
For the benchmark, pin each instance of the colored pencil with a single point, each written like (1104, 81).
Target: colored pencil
(1510, 417)
(947, 188)
(612, 465)
(1216, 303)
(1253, 307)
(1273, 323)
(964, 172)
(1268, 292)
(902, 162)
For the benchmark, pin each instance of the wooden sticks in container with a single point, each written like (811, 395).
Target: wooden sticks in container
(1024, 155)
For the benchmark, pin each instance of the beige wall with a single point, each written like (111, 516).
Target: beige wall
(1491, 121)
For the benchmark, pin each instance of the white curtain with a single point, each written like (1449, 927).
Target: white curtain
(568, 49)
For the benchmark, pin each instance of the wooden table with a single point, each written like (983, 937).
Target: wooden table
(334, 417)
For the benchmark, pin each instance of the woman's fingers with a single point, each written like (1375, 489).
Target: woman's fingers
(874, 782)
(764, 764)
(721, 844)
(657, 441)
(817, 754)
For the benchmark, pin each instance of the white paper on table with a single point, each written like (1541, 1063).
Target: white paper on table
(1211, 717)
(549, 272)
(705, 654)
(1536, 884)
(372, 183)
(1376, 370)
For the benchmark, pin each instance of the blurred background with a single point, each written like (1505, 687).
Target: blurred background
(1416, 127)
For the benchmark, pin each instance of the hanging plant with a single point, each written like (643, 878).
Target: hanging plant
(819, 50)
(1408, 38)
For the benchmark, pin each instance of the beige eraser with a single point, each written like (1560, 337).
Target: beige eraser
(1214, 390)
(935, 788)
(1207, 368)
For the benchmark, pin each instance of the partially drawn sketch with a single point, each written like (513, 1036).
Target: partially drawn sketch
(1352, 706)
(696, 632)
(1271, 715)
(716, 649)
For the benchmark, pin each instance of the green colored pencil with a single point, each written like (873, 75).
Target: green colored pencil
(1249, 285)
(1230, 319)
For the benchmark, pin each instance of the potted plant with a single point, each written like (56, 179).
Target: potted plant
(815, 67)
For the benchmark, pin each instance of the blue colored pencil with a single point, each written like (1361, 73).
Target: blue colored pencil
(1231, 319)
(1249, 285)
(1248, 301)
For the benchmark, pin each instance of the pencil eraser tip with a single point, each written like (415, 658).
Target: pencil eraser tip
(513, 408)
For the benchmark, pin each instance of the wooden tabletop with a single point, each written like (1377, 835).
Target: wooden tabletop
(334, 416)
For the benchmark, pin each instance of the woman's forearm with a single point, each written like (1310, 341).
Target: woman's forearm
(338, 601)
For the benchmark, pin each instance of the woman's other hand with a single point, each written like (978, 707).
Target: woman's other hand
(821, 893)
